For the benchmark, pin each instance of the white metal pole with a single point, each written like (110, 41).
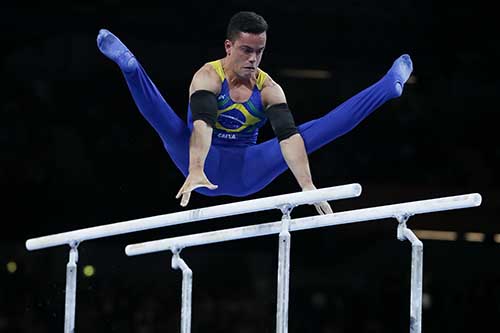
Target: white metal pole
(70, 299)
(187, 286)
(236, 208)
(283, 273)
(417, 257)
(318, 221)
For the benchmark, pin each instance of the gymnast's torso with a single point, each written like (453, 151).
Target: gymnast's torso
(237, 123)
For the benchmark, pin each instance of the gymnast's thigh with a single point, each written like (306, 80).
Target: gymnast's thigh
(262, 163)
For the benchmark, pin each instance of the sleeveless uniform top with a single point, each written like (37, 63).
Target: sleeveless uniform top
(237, 123)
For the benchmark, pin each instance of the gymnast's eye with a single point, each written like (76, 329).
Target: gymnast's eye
(247, 49)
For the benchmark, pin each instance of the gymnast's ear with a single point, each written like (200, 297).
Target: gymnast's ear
(228, 45)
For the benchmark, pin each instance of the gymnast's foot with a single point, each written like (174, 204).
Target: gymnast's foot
(400, 72)
(115, 50)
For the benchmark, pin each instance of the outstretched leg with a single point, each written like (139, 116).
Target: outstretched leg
(349, 114)
(264, 161)
(172, 130)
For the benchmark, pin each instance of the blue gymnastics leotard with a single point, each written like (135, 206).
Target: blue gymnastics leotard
(237, 123)
(238, 164)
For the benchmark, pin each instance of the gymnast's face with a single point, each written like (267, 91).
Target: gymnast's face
(245, 53)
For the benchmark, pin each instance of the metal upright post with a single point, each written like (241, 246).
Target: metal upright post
(283, 271)
(70, 302)
(417, 249)
(187, 286)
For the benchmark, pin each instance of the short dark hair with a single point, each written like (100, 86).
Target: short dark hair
(245, 21)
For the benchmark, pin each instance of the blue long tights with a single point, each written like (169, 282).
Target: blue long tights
(241, 171)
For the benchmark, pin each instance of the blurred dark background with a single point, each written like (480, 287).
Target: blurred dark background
(76, 153)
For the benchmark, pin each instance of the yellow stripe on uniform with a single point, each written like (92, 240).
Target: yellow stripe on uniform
(261, 78)
(217, 65)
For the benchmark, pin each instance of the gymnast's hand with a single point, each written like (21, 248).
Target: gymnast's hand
(193, 181)
(322, 207)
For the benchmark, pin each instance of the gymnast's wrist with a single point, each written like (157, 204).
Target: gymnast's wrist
(195, 168)
(309, 186)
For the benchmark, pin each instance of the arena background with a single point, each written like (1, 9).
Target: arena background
(76, 153)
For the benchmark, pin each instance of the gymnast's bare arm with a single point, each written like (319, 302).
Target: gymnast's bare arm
(293, 148)
(201, 138)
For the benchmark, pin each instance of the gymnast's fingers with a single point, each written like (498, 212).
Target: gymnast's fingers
(318, 209)
(211, 186)
(181, 191)
(327, 208)
(185, 198)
